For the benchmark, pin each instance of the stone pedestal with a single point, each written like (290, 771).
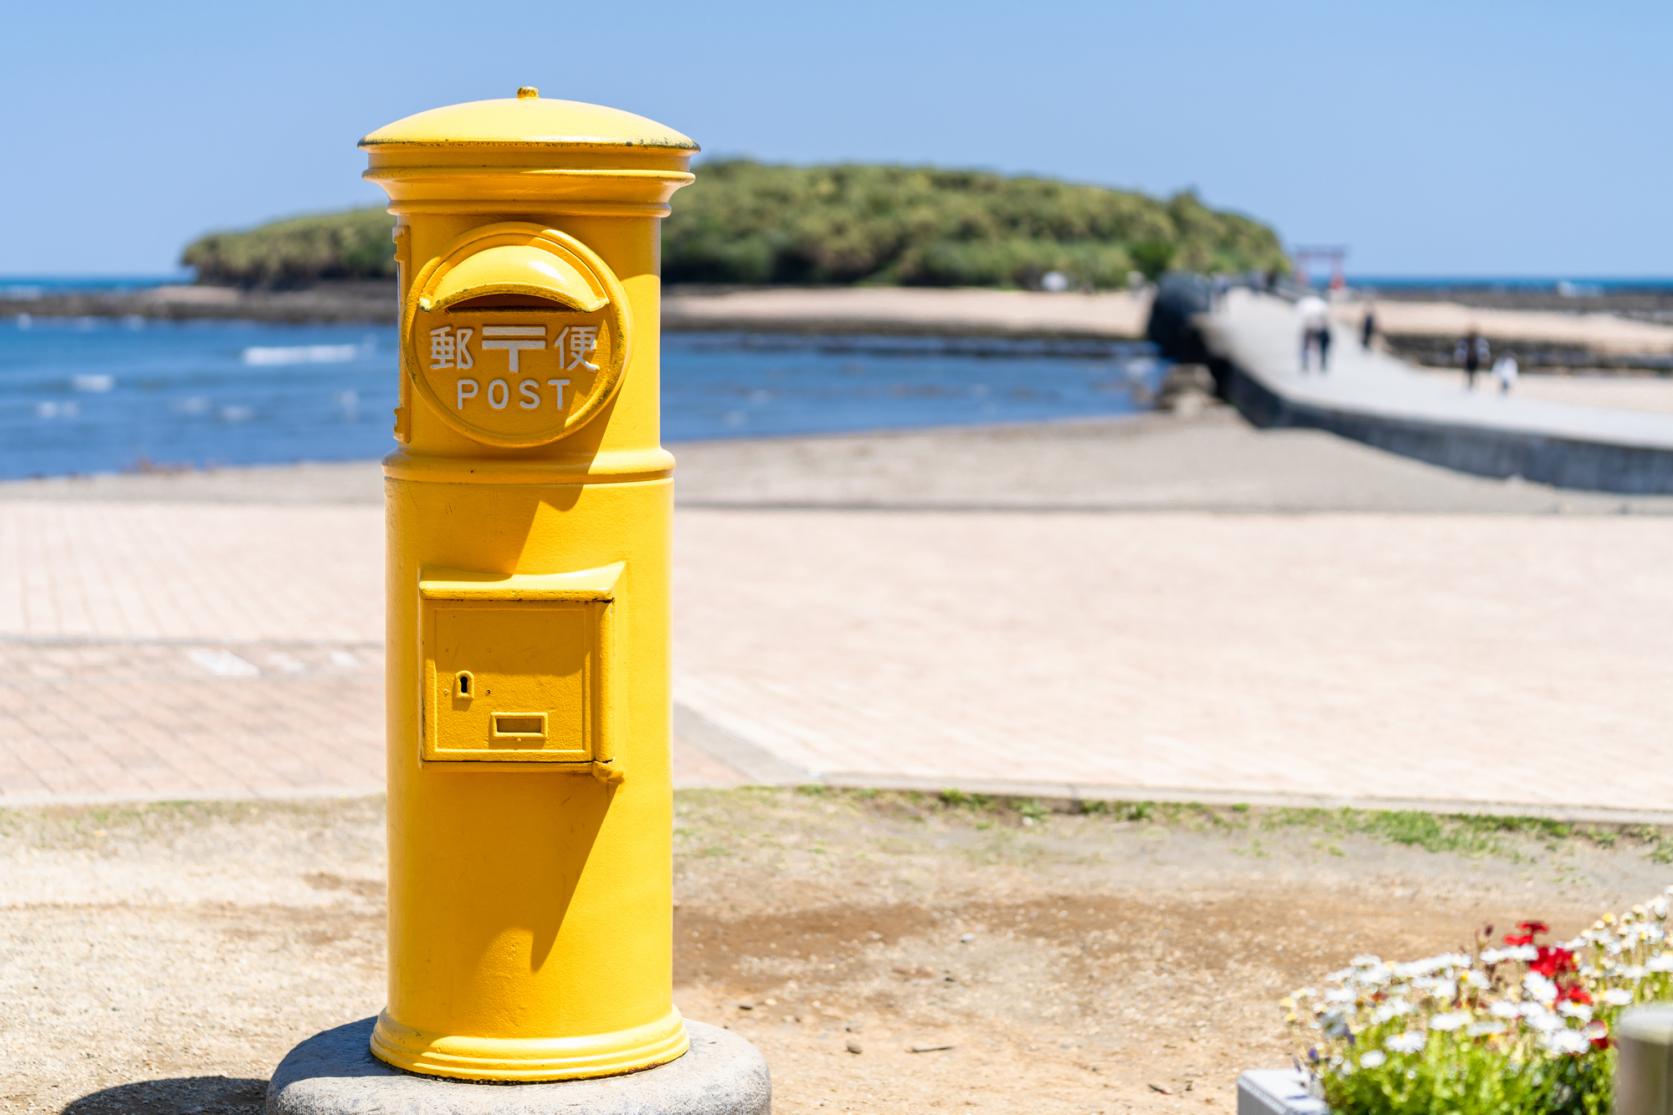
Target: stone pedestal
(334, 1073)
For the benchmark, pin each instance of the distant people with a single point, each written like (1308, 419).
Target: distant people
(1368, 328)
(1315, 330)
(1505, 370)
(1220, 287)
(1471, 353)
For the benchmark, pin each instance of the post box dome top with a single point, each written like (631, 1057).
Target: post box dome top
(529, 120)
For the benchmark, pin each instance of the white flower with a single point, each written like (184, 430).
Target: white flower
(1393, 1008)
(1617, 997)
(1339, 995)
(1438, 988)
(1431, 965)
(1539, 988)
(1492, 956)
(1472, 978)
(1521, 952)
(1373, 1059)
(1409, 1042)
(1658, 907)
(1452, 1020)
(1576, 1010)
(1365, 960)
(1503, 1009)
(1660, 962)
(1540, 1020)
(1374, 976)
(1485, 1027)
(1565, 1041)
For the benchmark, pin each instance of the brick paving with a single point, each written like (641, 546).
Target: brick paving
(161, 650)
(198, 650)
(1474, 661)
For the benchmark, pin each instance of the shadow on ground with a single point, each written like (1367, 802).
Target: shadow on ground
(181, 1095)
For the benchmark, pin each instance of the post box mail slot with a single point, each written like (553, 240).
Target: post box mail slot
(518, 335)
(517, 668)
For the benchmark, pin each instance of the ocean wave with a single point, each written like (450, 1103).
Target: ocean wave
(237, 412)
(55, 409)
(93, 383)
(268, 356)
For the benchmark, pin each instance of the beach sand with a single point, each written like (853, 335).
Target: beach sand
(1582, 387)
(1214, 462)
(909, 309)
(1596, 332)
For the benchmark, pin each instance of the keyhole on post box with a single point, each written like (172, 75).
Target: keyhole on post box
(463, 684)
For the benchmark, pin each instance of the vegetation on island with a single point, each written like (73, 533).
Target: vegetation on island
(756, 223)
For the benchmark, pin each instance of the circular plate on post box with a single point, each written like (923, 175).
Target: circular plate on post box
(517, 335)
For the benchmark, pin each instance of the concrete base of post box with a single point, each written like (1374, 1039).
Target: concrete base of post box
(334, 1073)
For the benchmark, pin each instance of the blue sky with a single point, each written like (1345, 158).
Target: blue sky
(1431, 138)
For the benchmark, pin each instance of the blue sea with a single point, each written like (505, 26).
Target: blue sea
(1572, 286)
(82, 395)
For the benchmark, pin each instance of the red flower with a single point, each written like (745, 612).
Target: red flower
(1533, 927)
(1573, 993)
(1519, 938)
(1552, 959)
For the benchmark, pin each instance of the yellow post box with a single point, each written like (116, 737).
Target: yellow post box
(529, 507)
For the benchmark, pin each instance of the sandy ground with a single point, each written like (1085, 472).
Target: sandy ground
(161, 960)
(1211, 462)
(1582, 388)
(1608, 333)
(891, 309)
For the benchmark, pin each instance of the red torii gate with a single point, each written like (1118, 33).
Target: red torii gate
(1333, 254)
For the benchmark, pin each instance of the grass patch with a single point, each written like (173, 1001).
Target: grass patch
(1465, 834)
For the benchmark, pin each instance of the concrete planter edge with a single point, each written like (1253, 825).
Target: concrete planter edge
(1276, 1092)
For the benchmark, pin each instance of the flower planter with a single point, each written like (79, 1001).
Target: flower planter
(1276, 1092)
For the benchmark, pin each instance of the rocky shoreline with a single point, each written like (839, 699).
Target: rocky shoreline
(368, 302)
(1630, 331)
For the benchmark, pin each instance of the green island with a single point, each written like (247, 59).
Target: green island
(747, 222)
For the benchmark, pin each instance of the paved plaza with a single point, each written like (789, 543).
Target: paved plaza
(1496, 652)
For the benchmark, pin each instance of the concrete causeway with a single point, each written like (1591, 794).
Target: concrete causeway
(1375, 398)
